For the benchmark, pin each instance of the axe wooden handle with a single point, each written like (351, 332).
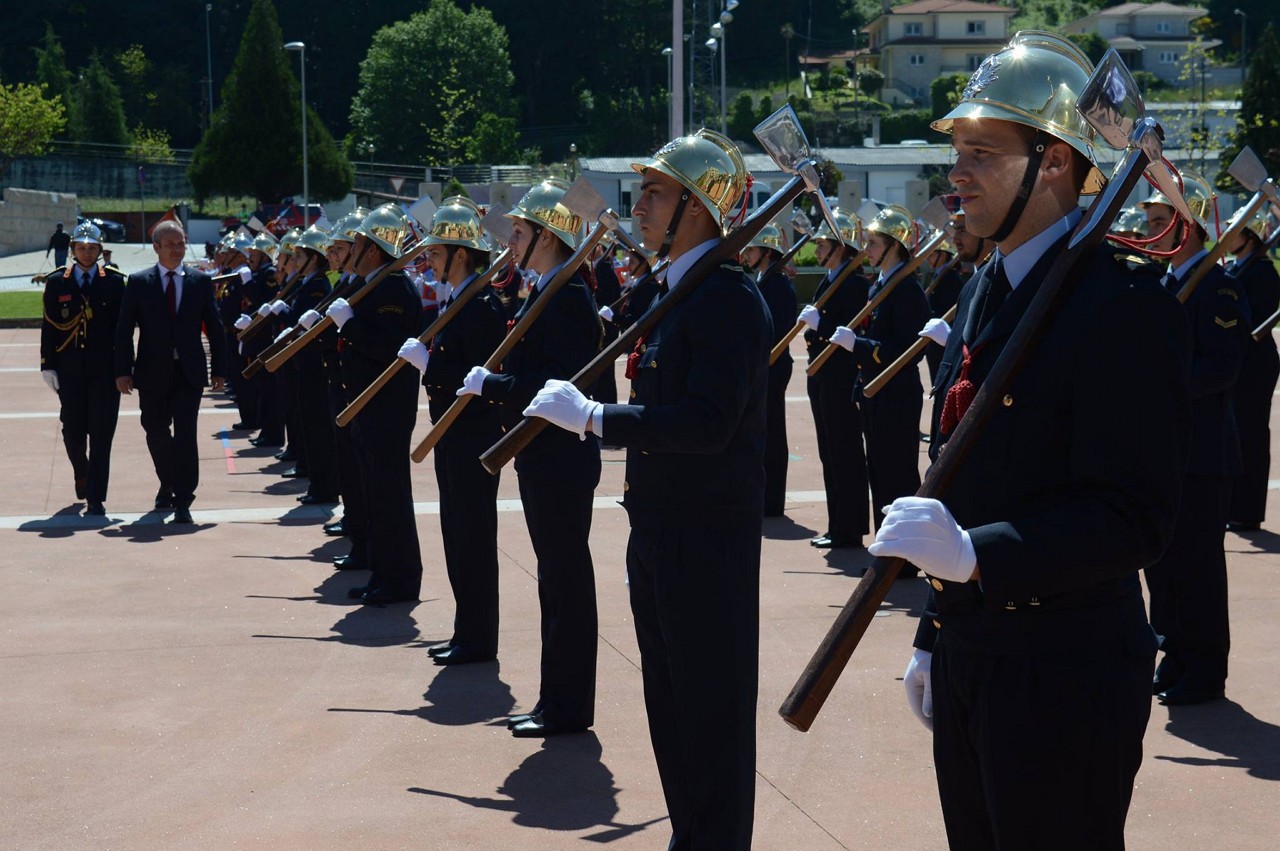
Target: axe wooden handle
(357, 404)
(917, 348)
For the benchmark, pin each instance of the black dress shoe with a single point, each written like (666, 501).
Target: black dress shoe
(358, 591)
(291, 473)
(834, 544)
(1168, 672)
(317, 499)
(813, 542)
(1184, 695)
(336, 529)
(243, 427)
(164, 501)
(517, 720)
(285, 455)
(181, 515)
(536, 728)
(460, 656)
(348, 562)
(439, 649)
(383, 597)
(1237, 526)
(95, 509)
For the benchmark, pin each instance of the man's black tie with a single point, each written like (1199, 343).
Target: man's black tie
(996, 294)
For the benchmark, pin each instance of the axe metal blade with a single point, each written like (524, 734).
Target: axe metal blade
(583, 199)
(1111, 101)
(935, 213)
(868, 211)
(424, 210)
(497, 224)
(783, 139)
(1248, 170)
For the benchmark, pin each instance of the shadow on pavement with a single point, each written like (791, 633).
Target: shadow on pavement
(151, 528)
(1227, 727)
(563, 786)
(459, 695)
(1260, 541)
(65, 522)
(785, 529)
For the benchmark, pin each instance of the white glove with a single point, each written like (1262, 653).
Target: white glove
(844, 338)
(243, 322)
(339, 311)
(811, 316)
(246, 274)
(415, 352)
(919, 686)
(606, 313)
(278, 307)
(50, 377)
(923, 532)
(285, 333)
(937, 330)
(308, 319)
(562, 403)
(265, 310)
(474, 382)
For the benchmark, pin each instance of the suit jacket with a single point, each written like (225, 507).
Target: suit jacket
(467, 341)
(779, 296)
(1074, 483)
(146, 308)
(77, 337)
(843, 305)
(893, 328)
(695, 432)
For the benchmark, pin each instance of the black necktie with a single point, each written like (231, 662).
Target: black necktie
(1170, 282)
(173, 295)
(996, 294)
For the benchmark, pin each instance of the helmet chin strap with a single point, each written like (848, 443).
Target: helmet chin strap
(670, 235)
(448, 264)
(1038, 145)
(537, 232)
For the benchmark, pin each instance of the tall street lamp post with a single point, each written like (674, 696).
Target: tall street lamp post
(208, 52)
(306, 172)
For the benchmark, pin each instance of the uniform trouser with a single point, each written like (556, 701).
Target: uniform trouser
(1038, 750)
(557, 490)
(233, 358)
(297, 438)
(1251, 398)
(606, 389)
(891, 423)
(775, 443)
(270, 412)
(88, 410)
(469, 527)
(317, 425)
(355, 517)
(1188, 588)
(844, 465)
(174, 453)
(247, 389)
(385, 427)
(695, 597)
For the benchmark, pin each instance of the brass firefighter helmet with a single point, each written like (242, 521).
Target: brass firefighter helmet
(389, 228)
(240, 242)
(1201, 199)
(1130, 220)
(1257, 222)
(896, 223)
(315, 239)
(457, 222)
(87, 233)
(345, 229)
(769, 236)
(1035, 81)
(265, 242)
(289, 241)
(707, 164)
(849, 229)
(541, 206)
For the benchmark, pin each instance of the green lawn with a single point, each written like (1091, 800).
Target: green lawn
(20, 305)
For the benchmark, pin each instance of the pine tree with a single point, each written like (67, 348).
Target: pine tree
(51, 67)
(254, 146)
(97, 110)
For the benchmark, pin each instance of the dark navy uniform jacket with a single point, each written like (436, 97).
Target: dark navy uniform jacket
(779, 296)
(371, 338)
(467, 341)
(894, 326)
(1074, 484)
(695, 432)
(77, 337)
(839, 310)
(944, 295)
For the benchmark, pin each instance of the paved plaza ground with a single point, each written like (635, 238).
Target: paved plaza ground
(212, 687)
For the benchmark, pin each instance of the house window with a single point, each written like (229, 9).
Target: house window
(976, 27)
(1168, 57)
(912, 29)
(975, 59)
(1122, 28)
(1164, 27)
(917, 59)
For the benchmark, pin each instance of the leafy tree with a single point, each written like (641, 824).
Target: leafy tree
(494, 140)
(742, 117)
(254, 146)
(944, 92)
(1093, 45)
(51, 67)
(426, 82)
(97, 113)
(29, 120)
(150, 146)
(454, 187)
(764, 110)
(870, 82)
(134, 67)
(1258, 122)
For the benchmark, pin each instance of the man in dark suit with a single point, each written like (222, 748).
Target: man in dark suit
(1188, 586)
(77, 338)
(1034, 654)
(695, 435)
(169, 304)
(468, 494)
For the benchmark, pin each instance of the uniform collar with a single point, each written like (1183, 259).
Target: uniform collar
(1019, 262)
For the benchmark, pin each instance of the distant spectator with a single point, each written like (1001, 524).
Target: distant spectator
(58, 244)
